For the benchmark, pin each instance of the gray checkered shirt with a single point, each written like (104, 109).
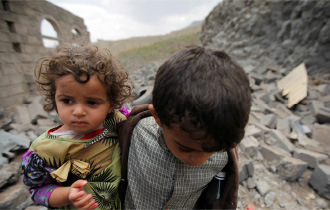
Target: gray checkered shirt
(157, 179)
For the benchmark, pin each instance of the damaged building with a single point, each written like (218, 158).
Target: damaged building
(28, 30)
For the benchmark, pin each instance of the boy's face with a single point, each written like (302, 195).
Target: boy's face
(182, 146)
(81, 106)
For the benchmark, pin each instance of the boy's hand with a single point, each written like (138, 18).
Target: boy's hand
(79, 198)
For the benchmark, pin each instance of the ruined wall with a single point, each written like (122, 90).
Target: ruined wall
(21, 43)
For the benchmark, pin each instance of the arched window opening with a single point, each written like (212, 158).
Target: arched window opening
(49, 34)
(75, 34)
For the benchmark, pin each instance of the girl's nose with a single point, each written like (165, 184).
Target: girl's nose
(79, 110)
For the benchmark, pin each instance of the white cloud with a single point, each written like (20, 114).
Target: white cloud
(120, 19)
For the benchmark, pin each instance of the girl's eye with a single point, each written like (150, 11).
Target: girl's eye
(67, 101)
(93, 103)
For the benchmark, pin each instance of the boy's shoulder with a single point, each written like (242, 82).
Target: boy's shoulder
(147, 122)
(146, 127)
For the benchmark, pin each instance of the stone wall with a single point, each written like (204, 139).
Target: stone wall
(21, 43)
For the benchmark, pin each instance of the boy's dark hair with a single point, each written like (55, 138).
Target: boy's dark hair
(204, 90)
(82, 62)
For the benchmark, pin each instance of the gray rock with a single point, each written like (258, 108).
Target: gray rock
(36, 110)
(312, 158)
(144, 96)
(249, 145)
(12, 142)
(271, 153)
(291, 169)
(269, 199)
(320, 180)
(10, 174)
(262, 187)
(13, 196)
(281, 140)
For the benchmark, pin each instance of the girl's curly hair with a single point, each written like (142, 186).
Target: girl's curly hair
(82, 62)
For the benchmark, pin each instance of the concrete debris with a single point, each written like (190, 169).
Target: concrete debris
(320, 180)
(294, 85)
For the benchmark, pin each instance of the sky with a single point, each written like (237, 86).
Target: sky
(122, 19)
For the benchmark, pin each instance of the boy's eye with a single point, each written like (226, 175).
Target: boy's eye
(67, 101)
(93, 103)
(185, 150)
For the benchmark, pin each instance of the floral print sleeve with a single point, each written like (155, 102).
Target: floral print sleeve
(37, 177)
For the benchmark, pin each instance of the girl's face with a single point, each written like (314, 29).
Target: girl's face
(82, 107)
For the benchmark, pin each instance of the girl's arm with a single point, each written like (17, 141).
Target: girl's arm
(49, 193)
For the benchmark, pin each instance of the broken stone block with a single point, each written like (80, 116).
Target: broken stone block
(268, 120)
(321, 134)
(269, 199)
(278, 97)
(46, 122)
(320, 180)
(37, 111)
(313, 94)
(315, 106)
(10, 173)
(22, 115)
(283, 125)
(12, 142)
(252, 130)
(298, 128)
(261, 127)
(308, 120)
(257, 78)
(249, 146)
(281, 141)
(267, 98)
(251, 183)
(264, 108)
(270, 78)
(325, 99)
(262, 187)
(272, 153)
(307, 142)
(246, 167)
(22, 127)
(13, 196)
(322, 89)
(3, 161)
(291, 168)
(312, 158)
(323, 115)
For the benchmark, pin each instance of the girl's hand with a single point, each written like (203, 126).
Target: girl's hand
(79, 198)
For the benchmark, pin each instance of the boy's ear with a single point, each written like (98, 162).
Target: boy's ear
(154, 114)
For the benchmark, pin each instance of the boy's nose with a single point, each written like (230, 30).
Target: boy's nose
(200, 158)
(79, 110)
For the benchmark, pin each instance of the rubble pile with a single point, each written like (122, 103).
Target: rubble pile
(284, 156)
(290, 32)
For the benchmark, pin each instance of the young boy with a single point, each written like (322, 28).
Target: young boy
(77, 164)
(172, 149)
